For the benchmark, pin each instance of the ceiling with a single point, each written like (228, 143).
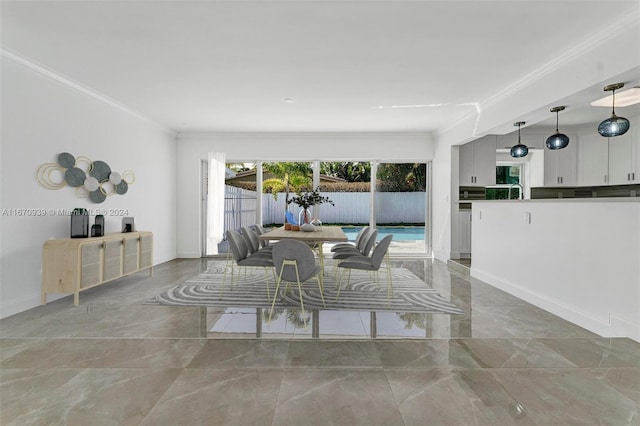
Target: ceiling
(372, 66)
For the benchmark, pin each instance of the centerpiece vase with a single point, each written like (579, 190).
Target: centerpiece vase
(304, 216)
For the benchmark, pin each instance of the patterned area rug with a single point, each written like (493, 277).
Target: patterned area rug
(213, 288)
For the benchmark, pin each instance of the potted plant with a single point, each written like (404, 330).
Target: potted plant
(307, 199)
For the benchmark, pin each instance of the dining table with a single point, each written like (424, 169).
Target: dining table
(322, 234)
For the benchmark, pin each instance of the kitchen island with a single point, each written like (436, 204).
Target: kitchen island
(576, 258)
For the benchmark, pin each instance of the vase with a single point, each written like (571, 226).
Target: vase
(304, 216)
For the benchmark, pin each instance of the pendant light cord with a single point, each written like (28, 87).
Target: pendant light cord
(613, 107)
(519, 133)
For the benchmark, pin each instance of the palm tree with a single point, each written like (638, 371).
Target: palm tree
(288, 177)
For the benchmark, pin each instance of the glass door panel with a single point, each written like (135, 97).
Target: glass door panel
(401, 205)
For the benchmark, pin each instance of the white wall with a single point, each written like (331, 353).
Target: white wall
(42, 117)
(577, 258)
(193, 148)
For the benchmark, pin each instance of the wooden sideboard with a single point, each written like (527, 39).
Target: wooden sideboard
(72, 265)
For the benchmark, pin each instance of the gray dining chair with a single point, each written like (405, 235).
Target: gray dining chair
(340, 246)
(253, 243)
(242, 259)
(295, 262)
(366, 242)
(259, 229)
(370, 263)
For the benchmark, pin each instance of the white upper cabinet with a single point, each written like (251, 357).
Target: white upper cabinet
(624, 157)
(593, 160)
(560, 165)
(478, 162)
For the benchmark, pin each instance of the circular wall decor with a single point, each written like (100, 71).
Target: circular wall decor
(97, 196)
(74, 176)
(91, 184)
(122, 188)
(45, 176)
(115, 178)
(83, 163)
(107, 188)
(66, 160)
(92, 179)
(129, 177)
(100, 170)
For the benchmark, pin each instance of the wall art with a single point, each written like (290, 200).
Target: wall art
(91, 179)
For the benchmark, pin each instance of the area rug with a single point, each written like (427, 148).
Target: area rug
(213, 288)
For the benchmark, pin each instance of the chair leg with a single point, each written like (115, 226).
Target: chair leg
(304, 318)
(340, 283)
(389, 282)
(266, 278)
(275, 294)
(226, 265)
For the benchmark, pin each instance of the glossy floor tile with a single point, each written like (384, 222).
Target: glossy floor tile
(115, 361)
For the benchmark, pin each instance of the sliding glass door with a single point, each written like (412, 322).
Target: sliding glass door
(401, 205)
(393, 196)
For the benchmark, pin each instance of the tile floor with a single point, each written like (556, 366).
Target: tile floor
(113, 360)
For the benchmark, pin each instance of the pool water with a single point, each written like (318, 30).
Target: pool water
(400, 233)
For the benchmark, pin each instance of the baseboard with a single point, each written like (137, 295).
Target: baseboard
(612, 327)
(15, 306)
(188, 255)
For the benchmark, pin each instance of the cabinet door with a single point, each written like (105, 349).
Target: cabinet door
(484, 161)
(466, 165)
(146, 250)
(567, 165)
(91, 268)
(620, 159)
(112, 259)
(593, 160)
(131, 255)
(464, 232)
(560, 167)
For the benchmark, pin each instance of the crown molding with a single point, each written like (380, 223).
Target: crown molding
(619, 27)
(72, 84)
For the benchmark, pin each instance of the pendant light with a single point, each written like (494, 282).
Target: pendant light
(558, 140)
(614, 125)
(519, 150)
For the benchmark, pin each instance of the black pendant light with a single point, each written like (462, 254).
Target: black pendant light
(519, 150)
(558, 140)
(614, 125)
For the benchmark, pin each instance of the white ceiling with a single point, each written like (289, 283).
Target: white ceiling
(227, 66)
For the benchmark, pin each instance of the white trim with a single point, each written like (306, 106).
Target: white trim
(21, 304)
(72, 84)
(188, 255)
(609, 327)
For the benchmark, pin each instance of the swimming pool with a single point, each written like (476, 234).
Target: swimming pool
(400, 233)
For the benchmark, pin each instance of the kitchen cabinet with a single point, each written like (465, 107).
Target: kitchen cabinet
(624, 158)
(478, 162)
(593, 160)
(560, 166)
(464, 233)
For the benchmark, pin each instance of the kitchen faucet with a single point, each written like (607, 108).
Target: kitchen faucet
(521, 191)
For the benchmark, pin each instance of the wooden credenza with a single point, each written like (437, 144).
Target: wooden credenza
(72, 265)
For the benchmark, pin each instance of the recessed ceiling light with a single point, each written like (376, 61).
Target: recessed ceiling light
(288, 101)
(623, 99)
